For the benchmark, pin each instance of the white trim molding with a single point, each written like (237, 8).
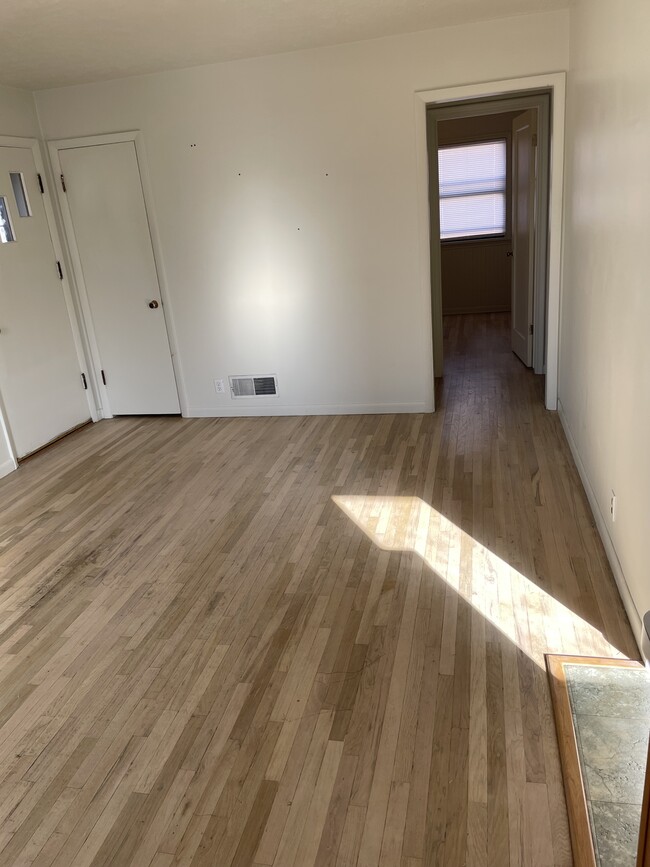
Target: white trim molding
(269, 411)
(11, 463)
(555, 82)
(7, 467)
(601, 524)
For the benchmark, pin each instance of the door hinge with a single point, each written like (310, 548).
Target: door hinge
(63, 186)
(534, 139)
(103, 377)
(530, 328)
(59, 270)
(84, 381)
(40, 184)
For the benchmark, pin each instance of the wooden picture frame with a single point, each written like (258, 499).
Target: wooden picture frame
(643, 857)
(574, 790)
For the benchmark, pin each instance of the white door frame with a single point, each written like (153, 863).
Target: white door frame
(11, 463)
(34, 145)
(135, 136)
(430, 276)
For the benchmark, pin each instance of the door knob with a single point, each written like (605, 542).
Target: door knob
(509, 254)
(153, 304)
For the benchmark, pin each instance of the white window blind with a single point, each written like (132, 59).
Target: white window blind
(472, 190)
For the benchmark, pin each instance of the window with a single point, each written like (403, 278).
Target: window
(6, 229)
(472, 190)
(22, 202)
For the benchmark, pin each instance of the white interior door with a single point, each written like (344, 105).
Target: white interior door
(40, 376)
(115, 256)
(524, 165)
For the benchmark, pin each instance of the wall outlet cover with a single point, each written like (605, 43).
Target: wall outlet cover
(219, 387)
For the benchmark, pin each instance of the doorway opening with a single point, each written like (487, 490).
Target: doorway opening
(108, 224)
(490, 98)
(489, 202)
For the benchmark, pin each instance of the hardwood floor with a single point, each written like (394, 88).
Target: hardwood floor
(299, 641)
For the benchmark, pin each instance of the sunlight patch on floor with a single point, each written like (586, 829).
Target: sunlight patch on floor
(529, 616)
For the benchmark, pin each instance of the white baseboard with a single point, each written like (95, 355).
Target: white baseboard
(619, 576)
(244, 410)
(7, 467)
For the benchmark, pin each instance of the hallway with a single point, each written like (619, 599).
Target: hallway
(309, 641)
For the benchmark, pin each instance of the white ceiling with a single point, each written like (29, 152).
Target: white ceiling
(47, 43)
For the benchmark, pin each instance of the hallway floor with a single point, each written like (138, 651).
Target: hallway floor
(299, 641)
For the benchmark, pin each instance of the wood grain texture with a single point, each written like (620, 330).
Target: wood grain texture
(299, 641)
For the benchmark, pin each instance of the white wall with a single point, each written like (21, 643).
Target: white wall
(17, 118)
(289, 233)
(17, 113)
(605, 354)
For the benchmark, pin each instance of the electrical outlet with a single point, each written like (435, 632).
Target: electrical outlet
(612, 507)
(219, 386)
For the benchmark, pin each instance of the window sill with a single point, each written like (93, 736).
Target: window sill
(474, 240)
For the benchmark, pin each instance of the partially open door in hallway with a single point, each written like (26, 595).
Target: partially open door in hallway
(524, 147)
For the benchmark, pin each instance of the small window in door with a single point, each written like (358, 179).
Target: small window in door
(20, 192)
(472, 190)
(6, 229)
